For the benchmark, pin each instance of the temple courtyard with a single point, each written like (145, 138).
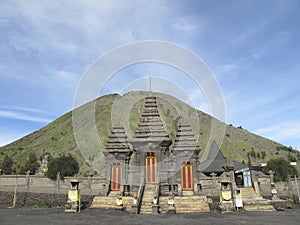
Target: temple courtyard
(100, 216)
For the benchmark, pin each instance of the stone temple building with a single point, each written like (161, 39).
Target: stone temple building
(151, 174)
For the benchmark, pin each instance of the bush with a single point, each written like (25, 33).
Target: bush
(258, 155)
(252, 153)
(66, 165)
(263, 154)
(289, 203)
(31, 164)
(281, 168)
(7, 165)
(291, 158)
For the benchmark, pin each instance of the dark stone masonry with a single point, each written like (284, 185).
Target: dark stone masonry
(46, 200)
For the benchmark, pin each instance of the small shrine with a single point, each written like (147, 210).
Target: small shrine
(74, 202)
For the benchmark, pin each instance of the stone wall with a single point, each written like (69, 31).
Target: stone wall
(40, 199)
(285, 189)
(33, 186)
(42, 184)
(265, 186)
(209, 186)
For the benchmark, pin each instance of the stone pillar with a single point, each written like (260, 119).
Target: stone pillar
(214, 184)
(126, 169)
(27, 179)
(107, 174)
(195, 180)
(58, 181)
(273, 188)
(271, 176)
(89, 182)
(232, 178)
(290, 187)
(159, 165)
(155, 208)
(179, 187)
(196, 192)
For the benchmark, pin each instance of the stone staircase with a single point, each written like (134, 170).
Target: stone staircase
(114, 194)
(185, 204)
(147, 200)
(254, 202)
(249, 194)
(109, 202)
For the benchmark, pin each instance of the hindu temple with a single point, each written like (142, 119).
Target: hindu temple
(149, 173)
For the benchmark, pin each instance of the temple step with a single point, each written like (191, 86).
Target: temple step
(149, 194)
(254, 202)
(110, 202)
(249, 194)
(114, 194)
(259, 205)
(185, 204)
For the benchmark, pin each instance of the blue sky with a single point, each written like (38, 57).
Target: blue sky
(252, 47)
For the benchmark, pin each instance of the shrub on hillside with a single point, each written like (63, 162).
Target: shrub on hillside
(7, 165)
(31, 164)
(66, 165)
(281, 168)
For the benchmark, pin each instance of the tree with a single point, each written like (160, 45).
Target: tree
(258, 155)
(7, 165)
(66, 165)
(291, 158)
(30, 165)
(281, 168)
(263, 154)
(252, 153)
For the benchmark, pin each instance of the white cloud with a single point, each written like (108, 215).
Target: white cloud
(228, 69)
(185, 25)
(47, 45)
(20, 108)
(22, 116)
(283, 132)
(199, 100)
(63, 39)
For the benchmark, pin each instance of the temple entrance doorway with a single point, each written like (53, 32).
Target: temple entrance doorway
(116, 176)
(150, 167)
(243, 178)
(247, 179)
(187, 176)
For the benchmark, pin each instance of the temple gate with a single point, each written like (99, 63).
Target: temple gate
(187, 176)
(116, 176)
(150, 168)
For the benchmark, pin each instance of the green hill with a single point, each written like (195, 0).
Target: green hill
(57, 138)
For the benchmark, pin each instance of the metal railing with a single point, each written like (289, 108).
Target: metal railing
(157, 190)
(141, 191)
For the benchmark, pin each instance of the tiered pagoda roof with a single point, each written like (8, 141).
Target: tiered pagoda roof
(185, 141)
(151, 127)
(117, 141)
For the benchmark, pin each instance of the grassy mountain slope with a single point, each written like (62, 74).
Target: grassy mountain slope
(57, 137)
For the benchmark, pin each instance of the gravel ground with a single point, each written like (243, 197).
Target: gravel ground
(26, 216)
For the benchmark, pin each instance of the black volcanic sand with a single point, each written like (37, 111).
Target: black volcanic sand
(26, 216)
